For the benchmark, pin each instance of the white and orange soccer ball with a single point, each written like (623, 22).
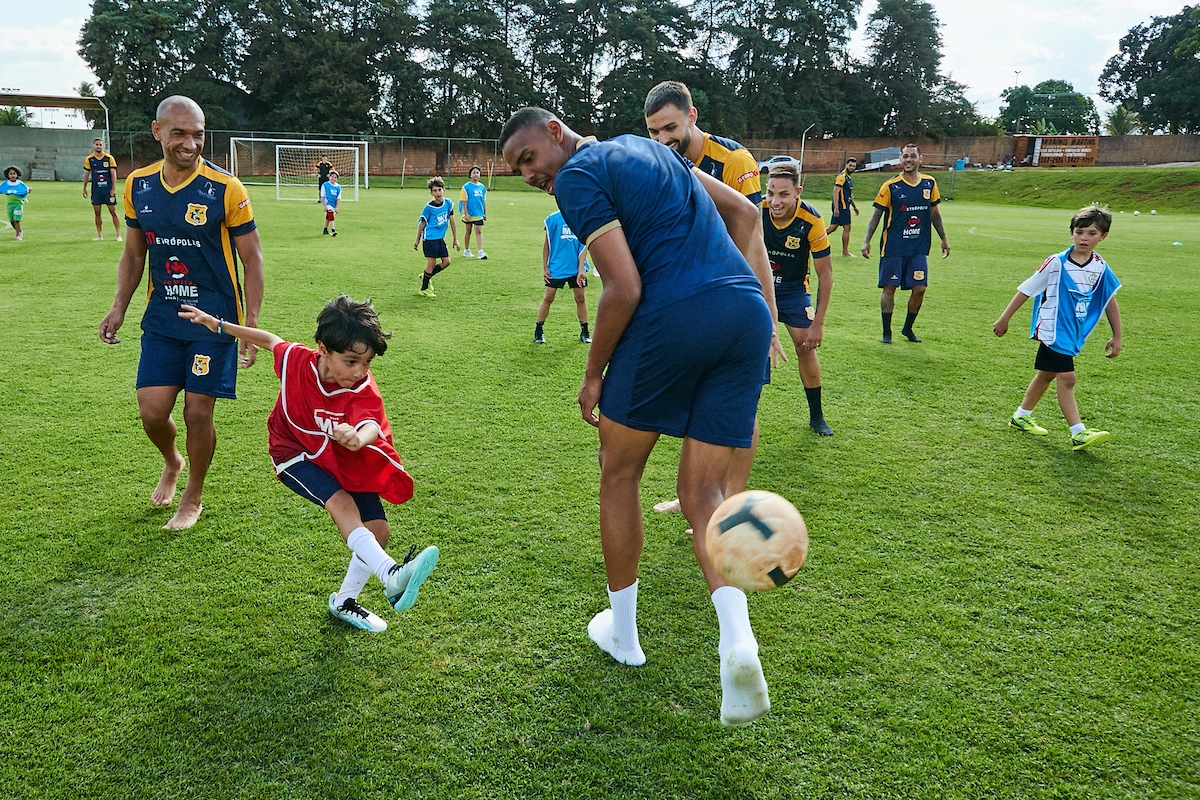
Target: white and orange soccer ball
(757, 540)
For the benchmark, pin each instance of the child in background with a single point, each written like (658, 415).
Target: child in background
(18, 195)
(1070, 291)
(564, 263)
(473, 209)
(331, 195)
(435, 217)
(330, 443)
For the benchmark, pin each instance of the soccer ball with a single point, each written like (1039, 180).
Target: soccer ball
(1137, 213)
(1153, 212)
(757, 540)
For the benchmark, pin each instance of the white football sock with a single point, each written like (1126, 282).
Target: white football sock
(364, 545)
(357, 575)
(1076, 428)
(733, 617)
(1022, 412)
(624, 606)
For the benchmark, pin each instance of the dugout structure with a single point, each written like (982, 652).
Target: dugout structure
(291, 165)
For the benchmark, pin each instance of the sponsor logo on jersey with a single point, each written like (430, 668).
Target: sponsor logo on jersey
(176, 268)
(747, 176)
(197, 214)
(143, 185)
(244, 203)
(327, 420)
(200, 365)
(209, 190)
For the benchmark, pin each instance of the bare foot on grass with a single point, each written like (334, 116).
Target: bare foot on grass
(667, 506)
(164, 493)
(187, 515)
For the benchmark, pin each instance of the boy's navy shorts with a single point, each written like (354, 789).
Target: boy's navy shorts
(573, 281)
(204, 367)
(1052, 361)
(435, 248)
(795, 306)
(316, 485)
(903, 271)
(694, 368)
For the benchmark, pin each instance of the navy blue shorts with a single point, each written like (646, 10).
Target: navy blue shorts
(478, 222)
(575, 282)
(694, 368)
(795, 307)
(903, 271)
(101, 197)
(204, 367)
(435, 248)
(840, 217)
(316, 485)
(1052, 361)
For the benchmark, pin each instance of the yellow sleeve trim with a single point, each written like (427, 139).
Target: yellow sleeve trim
(603, 229)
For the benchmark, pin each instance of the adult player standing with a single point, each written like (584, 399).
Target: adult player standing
(683, 333)
(193, 221)
(843, 201)
(100, 171)
(908, 206)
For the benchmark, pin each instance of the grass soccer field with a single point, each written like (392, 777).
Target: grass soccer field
(983, 613)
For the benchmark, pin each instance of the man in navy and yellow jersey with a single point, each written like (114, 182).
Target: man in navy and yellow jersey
(682, 337)
(192, 221)
(793, 231)
(100, 171)
(671, 120)
(843, 201)
(908, 206)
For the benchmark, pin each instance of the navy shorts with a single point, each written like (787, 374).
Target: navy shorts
(694, 368)
(903, 271)
(478, 222)
(316, 485)
(206, 366)
(575, 282)
(435, 248)
(101, 197)
(840, 218)
(1052, 361)
(795, 307)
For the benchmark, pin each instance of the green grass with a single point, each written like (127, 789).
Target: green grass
(1127, 189)
(983, 614)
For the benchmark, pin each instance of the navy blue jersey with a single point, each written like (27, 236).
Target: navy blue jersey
(732, 165)
(678, 239)
(789, 246)
(907, 210)
(101, 167)
(189, 231)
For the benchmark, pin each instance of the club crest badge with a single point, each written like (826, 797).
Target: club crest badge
(200, 365)
(927, 193)
(197, 214)
(918, 274)
(792, 243)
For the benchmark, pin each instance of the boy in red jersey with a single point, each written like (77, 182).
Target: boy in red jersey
(330, 443)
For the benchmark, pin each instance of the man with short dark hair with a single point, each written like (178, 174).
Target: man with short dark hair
(100, 170)
(843, 201)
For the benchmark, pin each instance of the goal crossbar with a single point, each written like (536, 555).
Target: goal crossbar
(291, 165)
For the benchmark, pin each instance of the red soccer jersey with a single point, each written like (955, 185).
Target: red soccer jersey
(307, 411)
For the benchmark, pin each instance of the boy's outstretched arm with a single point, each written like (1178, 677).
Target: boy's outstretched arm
(1000, 326)
(255, 336)
(1113, 348)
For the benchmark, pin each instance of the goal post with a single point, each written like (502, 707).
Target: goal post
(291, 165)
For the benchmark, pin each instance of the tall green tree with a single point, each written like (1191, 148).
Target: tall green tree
(905, 56)
(1156, 73)
(1051, 104)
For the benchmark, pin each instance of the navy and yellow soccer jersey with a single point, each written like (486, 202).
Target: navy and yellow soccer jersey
(732, 165)
(907, 211)
(841, 200)
(101, 168)
(189, 231)
(790, 246)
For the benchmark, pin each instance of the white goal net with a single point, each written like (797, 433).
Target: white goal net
(293, 165)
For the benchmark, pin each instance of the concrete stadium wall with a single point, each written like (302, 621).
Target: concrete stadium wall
(51, 150)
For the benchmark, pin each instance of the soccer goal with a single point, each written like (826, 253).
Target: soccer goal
(292, 165)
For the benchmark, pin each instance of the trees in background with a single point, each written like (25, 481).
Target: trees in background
(1157, 73)
(1051, 107)
(764, 68)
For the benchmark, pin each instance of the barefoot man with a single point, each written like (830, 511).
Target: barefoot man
(193, 221)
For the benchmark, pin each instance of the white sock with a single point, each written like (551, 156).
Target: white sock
(624, 606)
(357, 575)
(364, 545)
(733, 617)
(1022, 412)
(1076, 428)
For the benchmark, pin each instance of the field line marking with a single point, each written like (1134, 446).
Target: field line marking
(994, 236)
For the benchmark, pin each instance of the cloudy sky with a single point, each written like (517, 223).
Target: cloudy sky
(1042, 39)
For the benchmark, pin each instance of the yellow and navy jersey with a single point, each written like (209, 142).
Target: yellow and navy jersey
(103, 170)
(189, 231)
(790, 244)
(842, 199)
(907, 210)
(732, 164)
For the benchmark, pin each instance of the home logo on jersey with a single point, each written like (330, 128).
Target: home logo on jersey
(176, 269)
(197, 214)
(327, 420)
(200, 365)
(792, 243)
(177, 288)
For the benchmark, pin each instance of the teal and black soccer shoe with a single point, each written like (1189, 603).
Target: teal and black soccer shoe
(404, 580)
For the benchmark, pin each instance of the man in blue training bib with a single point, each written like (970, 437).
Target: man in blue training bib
(682, 336)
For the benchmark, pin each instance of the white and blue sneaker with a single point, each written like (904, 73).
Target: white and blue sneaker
(405, 579)
(468, 254)
(352, 613)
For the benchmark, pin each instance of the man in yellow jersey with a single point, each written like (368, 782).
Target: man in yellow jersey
(191, 221)
(908, 206)
(671, 120)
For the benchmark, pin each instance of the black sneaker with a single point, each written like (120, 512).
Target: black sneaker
(333, 232)
(912, 337)
(583, 337)
(539, 337)
(324, 231)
